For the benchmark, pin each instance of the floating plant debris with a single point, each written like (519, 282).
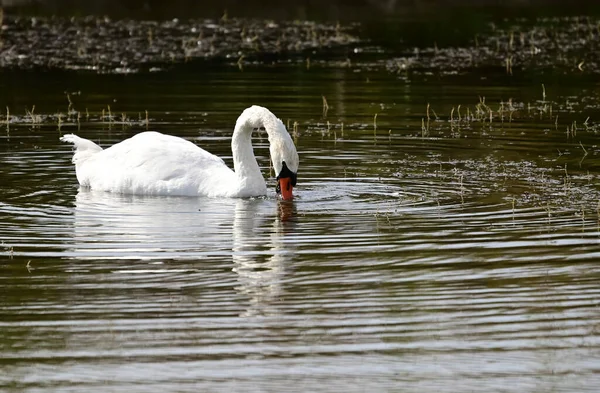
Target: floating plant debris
(570, 45)
(124, 46)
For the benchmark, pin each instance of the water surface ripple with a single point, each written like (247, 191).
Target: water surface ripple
(442, 263)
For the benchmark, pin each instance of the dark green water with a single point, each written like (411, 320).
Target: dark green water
(420, 255)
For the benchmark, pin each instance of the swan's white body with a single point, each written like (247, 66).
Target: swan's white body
(151, 163)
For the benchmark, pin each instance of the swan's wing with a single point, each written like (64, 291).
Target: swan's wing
(156, 164)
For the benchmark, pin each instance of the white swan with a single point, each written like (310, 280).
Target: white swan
(151, 163)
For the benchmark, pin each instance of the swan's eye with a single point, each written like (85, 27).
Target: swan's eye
(262, 128)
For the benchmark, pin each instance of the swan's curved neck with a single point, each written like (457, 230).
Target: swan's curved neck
(244, 162)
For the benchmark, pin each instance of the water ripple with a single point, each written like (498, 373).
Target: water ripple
(449, 264)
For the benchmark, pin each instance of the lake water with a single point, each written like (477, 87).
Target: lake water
(427, 249)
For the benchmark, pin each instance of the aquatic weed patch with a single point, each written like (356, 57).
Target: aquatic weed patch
(126, 46)
(541, 153)
(566, 45)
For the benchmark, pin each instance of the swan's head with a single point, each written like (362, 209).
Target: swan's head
(284, 158)
(283, 151)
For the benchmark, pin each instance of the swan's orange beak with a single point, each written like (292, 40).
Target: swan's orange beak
(285, 186)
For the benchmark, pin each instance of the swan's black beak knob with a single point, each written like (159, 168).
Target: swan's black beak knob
(286, 180)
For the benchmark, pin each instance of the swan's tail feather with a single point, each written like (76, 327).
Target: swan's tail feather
(84, 148)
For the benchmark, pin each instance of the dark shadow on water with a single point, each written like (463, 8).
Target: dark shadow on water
(296, 9)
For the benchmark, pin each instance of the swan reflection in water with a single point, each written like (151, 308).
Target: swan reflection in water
(262, 257)
(249, 232)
